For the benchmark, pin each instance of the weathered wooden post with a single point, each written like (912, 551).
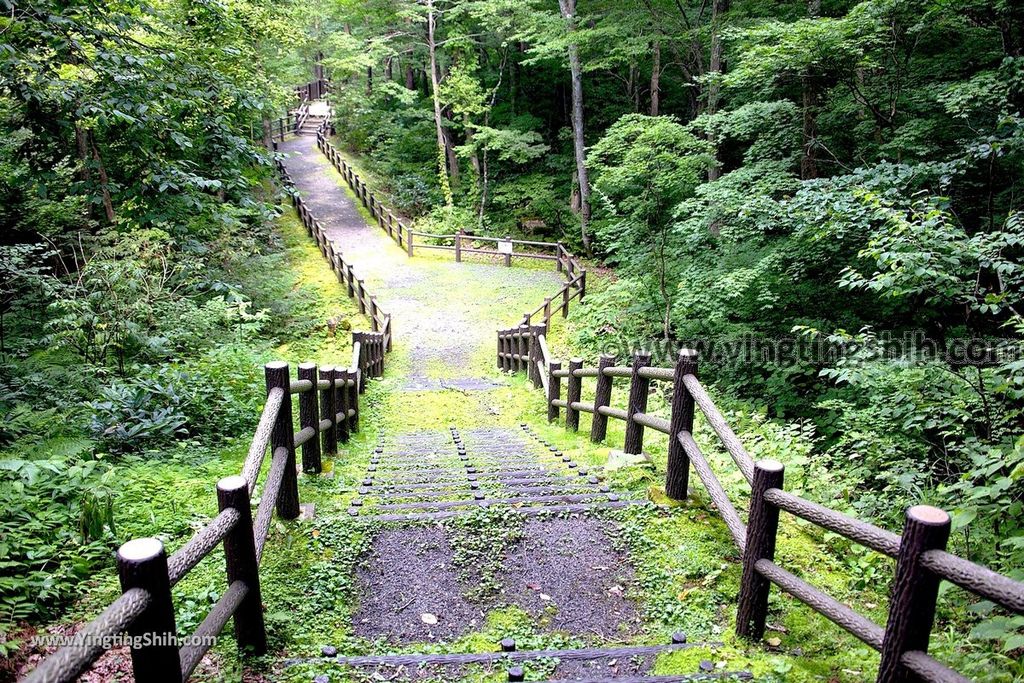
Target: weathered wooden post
(387, 332)
(458, 245)
(638, 389)
(351, 282)
(342, 402)
(602, 399)
(558, 257)
(142, 563)
(533, 352)
(408, 241)
(914, 591)
(329, 409)
(554, 390)
(547, 314)
(524, 349)
(309, 418)
(565, 301)
(677, 476)
(373, 314)
(361, 295)
(583, 284)
(508, 256)
(283, 436)
(762, 527)
(353, 397)
(573, 394)
(242, 565)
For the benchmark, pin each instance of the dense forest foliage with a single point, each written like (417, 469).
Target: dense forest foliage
(821, 196)
(141, 285)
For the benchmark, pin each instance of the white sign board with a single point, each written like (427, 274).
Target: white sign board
(504, 246)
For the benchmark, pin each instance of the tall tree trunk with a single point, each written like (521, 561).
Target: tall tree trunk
(718, 10)
(410, 77)
(268, 134)
(389, 68)
(655, 77)
(809, 158)
(568, 8)
(369, 80)
(442, 140)
(108, 205)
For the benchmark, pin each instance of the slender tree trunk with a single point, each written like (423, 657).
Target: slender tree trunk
(809, 158)
(369, 80)
(718, 10)
(389, 69)
(442, 140)
(108, 205)
(568, 8)
(655, 77)
(410, 77)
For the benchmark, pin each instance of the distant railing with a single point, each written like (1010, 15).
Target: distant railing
(462, 243)
(921, 558)
(328, 411)
(380, 321)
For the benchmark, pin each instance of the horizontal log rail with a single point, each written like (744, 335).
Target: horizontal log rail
(145, 609)
(920, 551)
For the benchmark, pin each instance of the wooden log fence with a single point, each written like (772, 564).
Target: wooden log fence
(922, 561)
(461, 243)
(145, 610)
(380, 320)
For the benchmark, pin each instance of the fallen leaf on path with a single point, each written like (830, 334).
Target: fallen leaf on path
(545, 596)
(600, 568)
(533, 586)
(774, 642)
(616, 590)
(428, 618)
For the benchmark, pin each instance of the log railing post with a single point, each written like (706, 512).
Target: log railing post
(534, 352)
(361, 298)
(283, 436)
(353, 397)
(408, 241)
(142, 563)
(547, 314)
(914, 591)
(309, 416)
(558, 257)
(351, 281)
(508, 257)
(602, 398)
(373, 314)
(583, 284)
(638, 388)
(328, 410)
(242, 565)
(762, 527)
(565, 301)
(458, 245)
(573, 393)
(677, 476)
(342, 402)
(554, 390)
